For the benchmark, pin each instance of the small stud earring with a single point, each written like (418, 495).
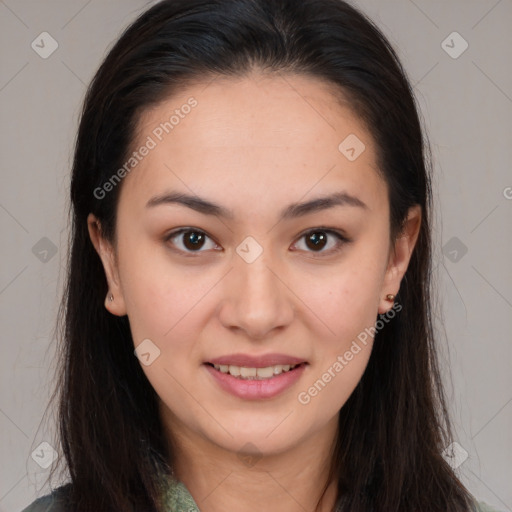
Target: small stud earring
(390, 297)
(111, 298)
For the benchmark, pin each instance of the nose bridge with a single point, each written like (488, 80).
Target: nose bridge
(257, 301)
(258, 279)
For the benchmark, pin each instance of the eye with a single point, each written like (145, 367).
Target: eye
(193, 240)
(317, 239)
(190, 240)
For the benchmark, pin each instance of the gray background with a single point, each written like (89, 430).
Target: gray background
(467, 107)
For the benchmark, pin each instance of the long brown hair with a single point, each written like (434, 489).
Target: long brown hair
(395, 425)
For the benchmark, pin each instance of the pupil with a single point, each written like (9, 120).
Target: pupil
(193, 238)
(318, 239)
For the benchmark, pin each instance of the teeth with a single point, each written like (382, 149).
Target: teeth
(233, 370)
(247, 372)
(254, 373)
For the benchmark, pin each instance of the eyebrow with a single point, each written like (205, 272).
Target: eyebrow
(291, 211)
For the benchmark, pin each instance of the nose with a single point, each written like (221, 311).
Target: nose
(255, 299)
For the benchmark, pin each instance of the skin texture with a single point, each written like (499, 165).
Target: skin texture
(253, 145)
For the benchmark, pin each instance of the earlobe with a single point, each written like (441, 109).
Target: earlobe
(399, 258)
(114, 301)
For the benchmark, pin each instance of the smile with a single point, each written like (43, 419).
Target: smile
(243, 372)
(250, 383)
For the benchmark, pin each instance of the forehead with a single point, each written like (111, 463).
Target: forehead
(258, 135)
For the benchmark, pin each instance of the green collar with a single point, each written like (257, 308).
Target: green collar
(178, 499)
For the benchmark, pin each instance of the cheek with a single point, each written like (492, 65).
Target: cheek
(332, 383)
(344, 340)
(346, 300)
(167, 306)
(345, 310)
(160, 297)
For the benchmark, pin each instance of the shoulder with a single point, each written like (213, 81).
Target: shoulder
(481, 506)
(54, 502)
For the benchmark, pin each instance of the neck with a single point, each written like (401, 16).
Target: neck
(290, 481)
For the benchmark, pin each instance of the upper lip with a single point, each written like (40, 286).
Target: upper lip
(263, 361)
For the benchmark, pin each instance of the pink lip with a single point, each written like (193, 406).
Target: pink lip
(256, 361)
(256, 389)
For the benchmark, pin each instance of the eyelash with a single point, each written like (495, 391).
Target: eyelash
(342, 240)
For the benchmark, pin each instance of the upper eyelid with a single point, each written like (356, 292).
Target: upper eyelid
(180, 231)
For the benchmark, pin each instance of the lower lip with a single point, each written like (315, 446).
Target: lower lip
(256, 389)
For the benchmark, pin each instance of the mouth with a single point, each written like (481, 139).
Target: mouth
(248, 373)
(267, 378)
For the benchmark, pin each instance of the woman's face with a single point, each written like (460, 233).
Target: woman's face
(263, 272)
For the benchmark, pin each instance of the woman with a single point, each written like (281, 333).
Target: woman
(247, 318)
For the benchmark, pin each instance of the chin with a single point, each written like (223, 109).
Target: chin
(254, 438)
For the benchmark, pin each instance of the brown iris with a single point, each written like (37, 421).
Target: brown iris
(316, 240)
(193, 240)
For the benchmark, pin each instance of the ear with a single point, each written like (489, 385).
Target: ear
(107, 254)
(400, 255)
